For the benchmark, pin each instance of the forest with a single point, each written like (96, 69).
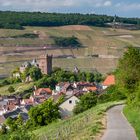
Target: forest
(17, 20)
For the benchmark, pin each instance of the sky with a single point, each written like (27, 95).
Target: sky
(123, 8)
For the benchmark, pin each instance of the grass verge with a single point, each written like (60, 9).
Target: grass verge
(86, 125)
(133, 116)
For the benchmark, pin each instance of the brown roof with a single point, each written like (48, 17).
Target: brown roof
(10, 107)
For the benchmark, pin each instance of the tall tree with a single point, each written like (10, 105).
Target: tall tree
(128, 72)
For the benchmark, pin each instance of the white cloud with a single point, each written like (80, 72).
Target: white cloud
(107, 3)
(133, 6)
(55, 3)
(127, 6)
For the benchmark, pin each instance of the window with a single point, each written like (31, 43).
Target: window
(70, 101)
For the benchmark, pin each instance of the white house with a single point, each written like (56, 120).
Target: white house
(67, 106)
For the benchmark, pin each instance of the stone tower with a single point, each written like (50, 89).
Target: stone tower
(45, 63)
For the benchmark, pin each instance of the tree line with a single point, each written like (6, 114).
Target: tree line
(17, 20)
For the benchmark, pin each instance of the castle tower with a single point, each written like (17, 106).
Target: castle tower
(45, 63)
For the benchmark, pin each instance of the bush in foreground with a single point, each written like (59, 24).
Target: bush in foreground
(86, 102)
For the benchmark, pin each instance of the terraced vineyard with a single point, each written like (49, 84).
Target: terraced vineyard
(102, 47)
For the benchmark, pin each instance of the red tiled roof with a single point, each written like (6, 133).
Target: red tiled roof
(38, 91)
(110, 80)
(91, 88)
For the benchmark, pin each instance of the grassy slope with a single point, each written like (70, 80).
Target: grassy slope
(103, 41)
(133, 116)
(18, 88)
(85, 126)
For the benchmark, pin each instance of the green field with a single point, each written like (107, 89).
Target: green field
(133, 116)
(105, 42)
(85, 126)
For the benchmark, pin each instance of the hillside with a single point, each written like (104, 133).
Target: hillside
(17, 20)
(87, 125)
(106, 43)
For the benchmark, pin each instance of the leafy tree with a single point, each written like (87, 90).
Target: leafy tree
(61, 99)
(26, 73)
(11, 89)
(11, 123)
(128, 72)
(44, 114)
(46, 81)
(5, 82)
(98, 77)
(35, 73)
(90, 77)
(3, 129)
(17, 20)
(86, 102)
(67, 41)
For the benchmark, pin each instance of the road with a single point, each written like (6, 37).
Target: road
(118, 127)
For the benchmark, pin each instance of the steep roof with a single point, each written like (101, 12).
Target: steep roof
(110, 80)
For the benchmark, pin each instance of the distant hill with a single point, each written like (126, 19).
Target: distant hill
(17, 20)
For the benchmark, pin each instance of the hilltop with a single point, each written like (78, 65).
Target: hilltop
(17, 20)
(101, 46)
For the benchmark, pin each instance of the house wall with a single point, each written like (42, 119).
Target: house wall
(67, 107)
(104, 87)
(58, 88)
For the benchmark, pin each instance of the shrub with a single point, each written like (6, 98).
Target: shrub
(11, 89)
(86, 101)
(111, 94)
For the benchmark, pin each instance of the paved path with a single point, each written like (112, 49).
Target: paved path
(118, 127)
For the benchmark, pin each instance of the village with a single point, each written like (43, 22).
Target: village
(13, 105)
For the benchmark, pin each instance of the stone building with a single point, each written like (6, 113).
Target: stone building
(45, 63)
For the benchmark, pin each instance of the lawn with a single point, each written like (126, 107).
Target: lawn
(133, 116)
(86, 126)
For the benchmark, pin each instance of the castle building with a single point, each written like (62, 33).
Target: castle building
(45, 63)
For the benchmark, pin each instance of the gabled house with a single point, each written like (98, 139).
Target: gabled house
(110, 80)
(27, 101)
(64, 87)
(67, 106)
